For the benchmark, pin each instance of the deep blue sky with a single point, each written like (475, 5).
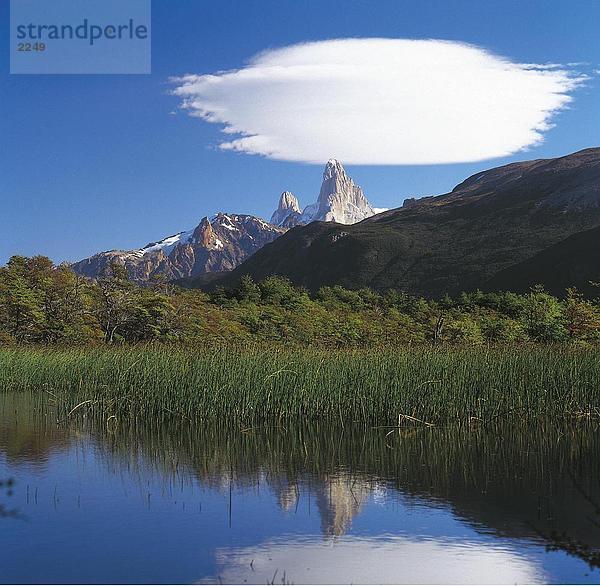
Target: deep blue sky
(93, 162)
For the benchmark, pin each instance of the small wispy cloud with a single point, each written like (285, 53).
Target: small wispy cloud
(381, 101)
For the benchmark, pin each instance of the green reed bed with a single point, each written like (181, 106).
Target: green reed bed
(375, 386)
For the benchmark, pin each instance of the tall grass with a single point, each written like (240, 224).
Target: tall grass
(376, 387)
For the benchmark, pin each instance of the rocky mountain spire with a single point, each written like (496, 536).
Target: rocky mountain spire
(335, 170)
(203, 233)
(340, 200)
(288, 206)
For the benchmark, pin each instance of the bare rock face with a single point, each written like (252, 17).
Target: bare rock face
(340, 200)
(203, 234)
(215, 245)
(288, 211)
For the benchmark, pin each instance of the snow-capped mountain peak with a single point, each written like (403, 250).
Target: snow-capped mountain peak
(214, 245)
(167, 244)
(222, 242)
(334, 168)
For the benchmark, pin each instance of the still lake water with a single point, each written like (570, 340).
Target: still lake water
(99, 502)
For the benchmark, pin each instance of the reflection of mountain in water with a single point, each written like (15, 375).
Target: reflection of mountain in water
(516, 482)
(339, 498)
(511, 481)
(288, 496)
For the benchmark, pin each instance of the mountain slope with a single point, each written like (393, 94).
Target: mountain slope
(221, 244)
(573, 262)
(444, 244)
(213, 246)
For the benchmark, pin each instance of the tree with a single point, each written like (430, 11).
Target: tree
(543, 316)
(247, 291)
(281, 291)
(20, 304)
(113, 305)
(149, 317)
(581, 316)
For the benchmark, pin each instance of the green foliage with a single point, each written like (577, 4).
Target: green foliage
(543, 317)
(280, 291)
(464, 329)
(582, 318)
(500, 329)
(248, 291)
(41, 303)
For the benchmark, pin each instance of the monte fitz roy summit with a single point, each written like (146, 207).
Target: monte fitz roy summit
(340, 200)
(223, 242)
(506, 228)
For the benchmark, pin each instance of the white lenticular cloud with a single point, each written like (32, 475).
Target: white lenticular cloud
(380, 102)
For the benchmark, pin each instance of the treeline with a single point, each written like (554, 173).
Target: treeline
(41, 303)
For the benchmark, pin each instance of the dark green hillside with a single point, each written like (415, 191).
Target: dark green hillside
(454, 242)
(572, 262)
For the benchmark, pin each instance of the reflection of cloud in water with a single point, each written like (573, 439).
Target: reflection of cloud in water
(389, 560)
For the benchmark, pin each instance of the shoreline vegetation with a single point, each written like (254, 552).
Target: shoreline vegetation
(48, 305)
(270, 351)
(240, 388)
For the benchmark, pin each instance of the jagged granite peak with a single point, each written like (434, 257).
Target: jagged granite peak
(334, 169)
(224, 241)
(288, 206)
(214, 245)
(510, 227)
(203, 233)
(340, 200)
